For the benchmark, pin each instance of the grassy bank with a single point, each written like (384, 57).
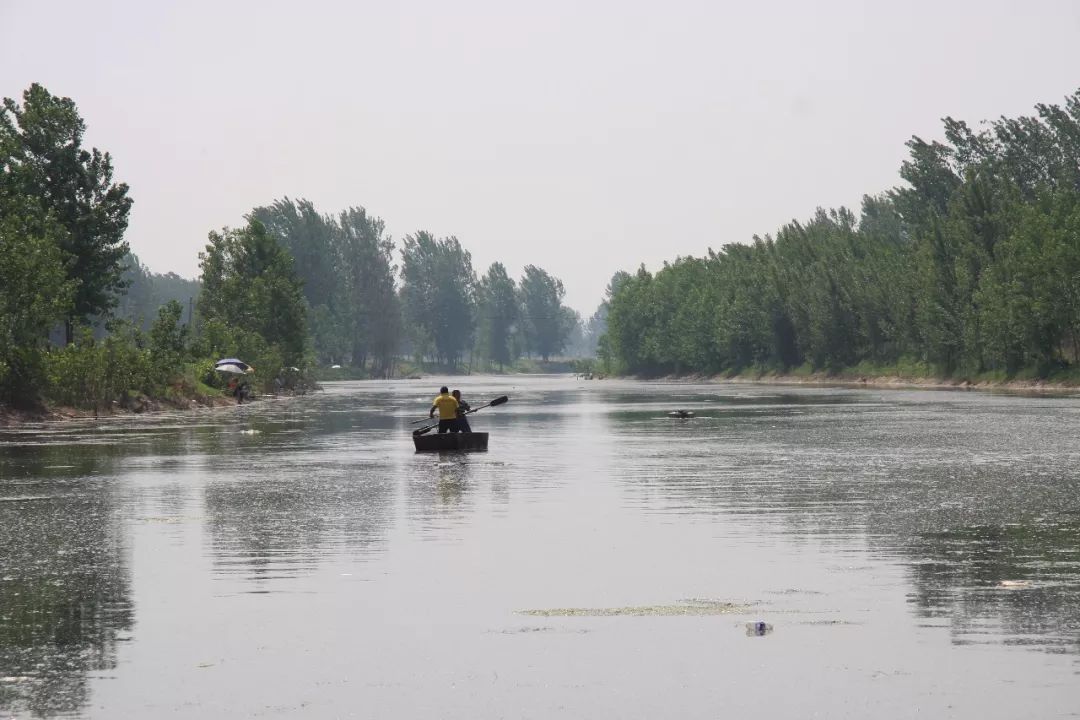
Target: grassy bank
(96, 389)
(183, 395)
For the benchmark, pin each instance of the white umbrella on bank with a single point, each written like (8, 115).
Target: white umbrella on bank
(232, 369)
(233, 366)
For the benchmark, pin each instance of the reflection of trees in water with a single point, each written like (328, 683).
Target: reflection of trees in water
(967, 528)
(1018, 580)
(438, 489)
(64, 594)
(969, 503)
(282, 522)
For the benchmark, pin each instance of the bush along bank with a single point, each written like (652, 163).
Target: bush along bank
(129, 370)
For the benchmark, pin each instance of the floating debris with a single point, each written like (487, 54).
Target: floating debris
(1014, 584)
(685, 607)
(682, 414)
(794, 591)
(759, 628)
(523, 630)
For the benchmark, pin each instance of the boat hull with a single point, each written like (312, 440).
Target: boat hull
(450, 442)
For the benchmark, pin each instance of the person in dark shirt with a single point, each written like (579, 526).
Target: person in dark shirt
(462, 423)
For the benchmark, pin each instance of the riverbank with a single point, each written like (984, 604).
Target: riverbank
(899, 382)
(138, 406)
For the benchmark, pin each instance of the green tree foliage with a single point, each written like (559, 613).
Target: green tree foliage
(595, 327)
(545, 322)
(250, 289)
(94, 373)
(169, 336)
(34, 295)
(42, 158)
(629, 315)
(373, 316)
(438, 296)
(311, 239)
(972, 266)
(308, 237)
(578, 343)
(598, 323)
(498, 315)
(146, 292)
(346, 266)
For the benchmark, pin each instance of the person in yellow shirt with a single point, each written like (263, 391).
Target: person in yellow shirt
(447, 406)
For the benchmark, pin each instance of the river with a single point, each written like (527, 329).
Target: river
(911, 554)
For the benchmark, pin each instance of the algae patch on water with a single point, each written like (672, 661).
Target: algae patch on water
(683, 607)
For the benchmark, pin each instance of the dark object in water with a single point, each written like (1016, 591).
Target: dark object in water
(758, 629)
(451, 441)
(684, 414)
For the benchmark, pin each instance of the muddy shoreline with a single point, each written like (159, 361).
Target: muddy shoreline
(10, 417)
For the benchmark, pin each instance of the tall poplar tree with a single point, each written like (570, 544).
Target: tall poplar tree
(546, 322)
(498, 315)
(373, 312)
(249, 285)
(42, 157)
(438, 286)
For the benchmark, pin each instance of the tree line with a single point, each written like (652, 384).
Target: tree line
(291, 289)
(64, 262)
(971, 268)
(366, 311)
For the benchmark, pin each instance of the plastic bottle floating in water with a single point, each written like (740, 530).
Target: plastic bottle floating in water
(758, 628)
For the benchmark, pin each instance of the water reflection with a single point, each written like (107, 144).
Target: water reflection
(279, 522)
(980, 498)
(1018, 582)
(438, 491)
(64, 592)
(976, 498)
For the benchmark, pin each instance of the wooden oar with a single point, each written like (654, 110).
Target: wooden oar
(497, 401)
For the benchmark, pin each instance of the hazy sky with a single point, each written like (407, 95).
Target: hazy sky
(583, 137)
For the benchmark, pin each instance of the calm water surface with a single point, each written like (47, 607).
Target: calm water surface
(917, 554)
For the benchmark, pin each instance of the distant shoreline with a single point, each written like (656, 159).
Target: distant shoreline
(10, 417)
(883, 382)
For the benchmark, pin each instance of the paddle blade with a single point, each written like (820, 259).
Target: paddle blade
(424, 431)
(497, 401)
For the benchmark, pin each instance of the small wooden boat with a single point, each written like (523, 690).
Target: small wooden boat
(684, 414)
(450, 441)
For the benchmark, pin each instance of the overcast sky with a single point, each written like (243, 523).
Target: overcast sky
(583, 137)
